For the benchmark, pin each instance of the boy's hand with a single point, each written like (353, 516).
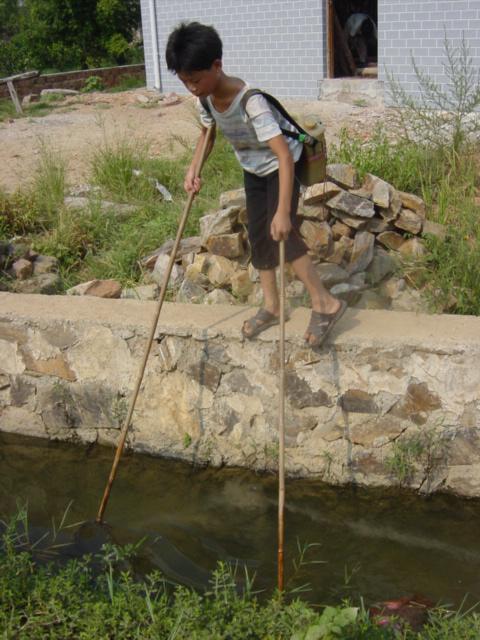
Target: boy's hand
(281, 226)
(192, 183)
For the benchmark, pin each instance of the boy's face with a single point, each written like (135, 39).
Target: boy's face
(202, 83)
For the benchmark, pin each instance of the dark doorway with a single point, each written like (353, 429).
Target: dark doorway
(352, 38)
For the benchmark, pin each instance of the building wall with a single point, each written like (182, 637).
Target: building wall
(418, 28)
(281, 45)
(275, 44)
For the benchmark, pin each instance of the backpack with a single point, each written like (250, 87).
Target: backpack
(313, 162)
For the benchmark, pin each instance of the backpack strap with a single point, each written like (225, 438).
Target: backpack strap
(301, 135)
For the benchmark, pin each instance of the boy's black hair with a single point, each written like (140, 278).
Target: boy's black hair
(192, 47)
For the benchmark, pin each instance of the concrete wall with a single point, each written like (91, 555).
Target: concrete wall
(277, 45)
(418, 28)
(393, 398)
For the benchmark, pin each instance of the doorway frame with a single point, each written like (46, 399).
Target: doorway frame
(330, 40)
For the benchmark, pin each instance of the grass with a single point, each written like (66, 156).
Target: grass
(99, 598)
(99, 243)
(43, 107)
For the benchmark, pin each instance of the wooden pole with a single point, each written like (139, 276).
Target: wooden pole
(281, 423)
(126, 425)
(14, 97)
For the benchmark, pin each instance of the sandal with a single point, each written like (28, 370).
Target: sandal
(261, 321)
(322, 323)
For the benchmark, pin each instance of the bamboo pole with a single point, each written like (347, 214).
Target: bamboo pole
(126, 425)
(281, 423)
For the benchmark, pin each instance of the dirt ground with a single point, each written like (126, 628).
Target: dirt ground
(82, 123)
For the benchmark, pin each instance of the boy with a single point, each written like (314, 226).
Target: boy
(269, 161)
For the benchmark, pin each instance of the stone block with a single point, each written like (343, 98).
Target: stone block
(331, 274)
(220, 271)
(355, 223)
(340, 229)
(413, 202)
(45, 283)
(104, 289)
(376, 430)
(395, 207)
(218, 223)
(142, 292)
(233, 198)
(343, 174)
(205, 374)
(352, 205)
(413, 248)
(55, 366)
(417, 403)
(379, 190)
(317, 236)
(362, 252)
(391, 240)
(22, 269)
(229, 245)
(318, 212)
(409, 221)
(301, 395)
(346, 291)
(382, 265)
(45, 264)
(320, 192)
(392, 287)
(11, 361)
(219, 296)
(160, 270)
(189, 292)
(242, 286)
(378, 225)
(358, 401)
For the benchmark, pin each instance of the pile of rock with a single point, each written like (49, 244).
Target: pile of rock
(29, 271)
(357, 234)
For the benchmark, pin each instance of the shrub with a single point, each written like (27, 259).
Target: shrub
(93, 83)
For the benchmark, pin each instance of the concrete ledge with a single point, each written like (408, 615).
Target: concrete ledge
(372, 328)
(391, 398)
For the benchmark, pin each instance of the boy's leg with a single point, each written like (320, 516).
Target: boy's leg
(262, 254)
(322, 300)
(268, 282)
(326, 309)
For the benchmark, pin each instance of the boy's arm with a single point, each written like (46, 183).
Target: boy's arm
(191, 182)
(281, 223)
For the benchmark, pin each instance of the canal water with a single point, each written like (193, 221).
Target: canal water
(377, 544)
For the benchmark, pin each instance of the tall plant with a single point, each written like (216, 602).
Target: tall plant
(441, 114)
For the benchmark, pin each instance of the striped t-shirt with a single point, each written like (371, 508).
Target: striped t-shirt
(249, 132)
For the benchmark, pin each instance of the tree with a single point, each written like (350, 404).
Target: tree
(69, 34)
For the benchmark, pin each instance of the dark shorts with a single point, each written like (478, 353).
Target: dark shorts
(262, 203)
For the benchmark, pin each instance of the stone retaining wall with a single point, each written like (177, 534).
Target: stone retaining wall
(393, 398)
(73, 79)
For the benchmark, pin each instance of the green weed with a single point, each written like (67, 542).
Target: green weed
(93, 83)
(424, 452)
(49, 182)
(99, 598)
